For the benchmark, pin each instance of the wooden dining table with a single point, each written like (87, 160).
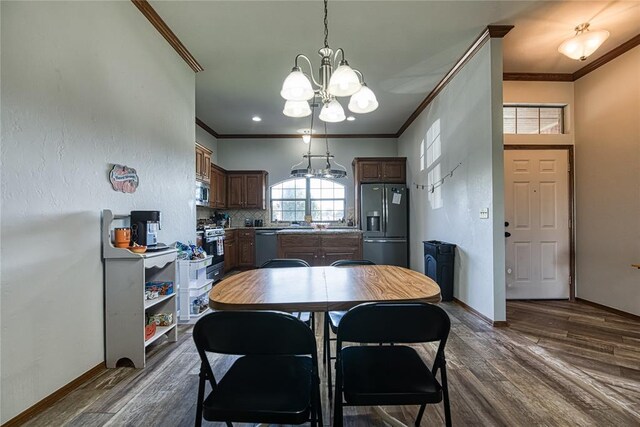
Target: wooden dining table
(321, 289)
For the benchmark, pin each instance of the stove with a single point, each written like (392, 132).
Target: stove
(213, 244)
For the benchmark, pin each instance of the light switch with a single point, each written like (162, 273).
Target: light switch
(484, 213)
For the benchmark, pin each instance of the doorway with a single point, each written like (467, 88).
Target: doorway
(539, 244)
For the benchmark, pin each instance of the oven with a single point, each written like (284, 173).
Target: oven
(213, 244)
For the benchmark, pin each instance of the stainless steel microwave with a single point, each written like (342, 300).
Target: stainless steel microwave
(202, 193)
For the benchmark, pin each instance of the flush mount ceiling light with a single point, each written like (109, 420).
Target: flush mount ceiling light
(336, 79)
(328, 171)
(256, 119)
(584, 43)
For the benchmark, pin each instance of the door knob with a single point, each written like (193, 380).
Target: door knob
(506, 223)
(507, 234)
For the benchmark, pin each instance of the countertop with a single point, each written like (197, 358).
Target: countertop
(325, 231)
(301, 228)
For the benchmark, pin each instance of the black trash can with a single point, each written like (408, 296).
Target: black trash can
(438, 265)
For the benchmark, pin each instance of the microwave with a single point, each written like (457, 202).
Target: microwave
(202, 193)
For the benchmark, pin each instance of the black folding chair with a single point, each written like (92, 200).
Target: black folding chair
(391, 374)
(274, 381)
(306, 317)
(332, 320)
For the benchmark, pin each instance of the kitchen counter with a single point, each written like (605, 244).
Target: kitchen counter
(307, 228)
(325, 231)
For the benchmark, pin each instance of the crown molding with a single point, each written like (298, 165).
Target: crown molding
(150, 13)
(315, 135)
(607, 57)
(204, 126)
(492, 31)
(538, 77)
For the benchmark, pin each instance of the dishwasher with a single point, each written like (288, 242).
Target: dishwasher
(266, 246)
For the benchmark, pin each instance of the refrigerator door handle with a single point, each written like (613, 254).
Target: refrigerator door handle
(385, 208)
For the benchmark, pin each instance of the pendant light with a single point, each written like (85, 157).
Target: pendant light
(331, 83)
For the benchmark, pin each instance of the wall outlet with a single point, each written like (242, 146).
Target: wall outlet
(484, 213)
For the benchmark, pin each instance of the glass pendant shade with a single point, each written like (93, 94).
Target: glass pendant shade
(296, 109)
(296, 87)
(344, 81)
(363, 101)
(332, 112)
(584, 43)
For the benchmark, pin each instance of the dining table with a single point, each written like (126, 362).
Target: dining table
(321, 289)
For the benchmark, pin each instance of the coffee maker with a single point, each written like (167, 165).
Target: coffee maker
(144, 227)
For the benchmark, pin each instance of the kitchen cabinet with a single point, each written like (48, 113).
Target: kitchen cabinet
(246, 248)
(218, 192)
(230, 250)
(380, 169)
(246, 189)
(203, 163)
(320, 249)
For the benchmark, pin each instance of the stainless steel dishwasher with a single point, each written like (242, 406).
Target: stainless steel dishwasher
(266, 246)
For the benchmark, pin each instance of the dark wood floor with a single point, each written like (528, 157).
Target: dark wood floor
(558, 363)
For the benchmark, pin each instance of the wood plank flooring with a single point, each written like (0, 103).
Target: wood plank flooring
(558, 363)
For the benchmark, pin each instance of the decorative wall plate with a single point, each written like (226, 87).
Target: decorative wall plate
(123, 179)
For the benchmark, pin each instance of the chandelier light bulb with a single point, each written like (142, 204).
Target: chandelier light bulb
(363, 101)
(296, 109)
(344, 81)
(332, 112)
(584, 43)
(296, 86)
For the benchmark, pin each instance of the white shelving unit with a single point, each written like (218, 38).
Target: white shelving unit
(125, 305)
(193, 283)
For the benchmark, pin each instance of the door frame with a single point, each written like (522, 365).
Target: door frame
(572, 242)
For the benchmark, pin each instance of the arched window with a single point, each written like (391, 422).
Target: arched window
(292, 199)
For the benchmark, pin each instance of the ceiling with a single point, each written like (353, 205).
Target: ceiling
(403, 48)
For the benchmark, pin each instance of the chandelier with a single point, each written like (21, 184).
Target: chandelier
(332, 82)
(328, 171)
(584, 43)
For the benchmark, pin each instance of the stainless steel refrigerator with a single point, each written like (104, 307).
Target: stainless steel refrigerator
(383, 220)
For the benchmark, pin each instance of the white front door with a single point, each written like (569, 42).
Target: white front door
(537, 217)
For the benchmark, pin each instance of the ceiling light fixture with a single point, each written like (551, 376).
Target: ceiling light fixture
(338, 82)
(584, 43)
(350, 118)
(256, 119)
(329, 171)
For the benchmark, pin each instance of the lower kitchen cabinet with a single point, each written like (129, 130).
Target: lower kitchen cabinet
(246, 248)
(230, 250)
(320, 250)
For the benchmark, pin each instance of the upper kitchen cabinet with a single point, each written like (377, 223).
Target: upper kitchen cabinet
(246, 189)
(380, 169)
(218, 192)
(203, 163)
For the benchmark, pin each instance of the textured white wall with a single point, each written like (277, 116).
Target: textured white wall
(276, 156)
(470, 112)
(84, 85)
(608, 183)
(543, 93)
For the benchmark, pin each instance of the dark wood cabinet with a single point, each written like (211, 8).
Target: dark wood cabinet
(218, 193)
(246, 248)
(230, 250)
(203, 163)
(320, 250)
(246, 189)
(380, 169)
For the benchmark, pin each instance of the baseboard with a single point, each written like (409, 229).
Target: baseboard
(494, 323)
(609, 309)
(46, 403)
